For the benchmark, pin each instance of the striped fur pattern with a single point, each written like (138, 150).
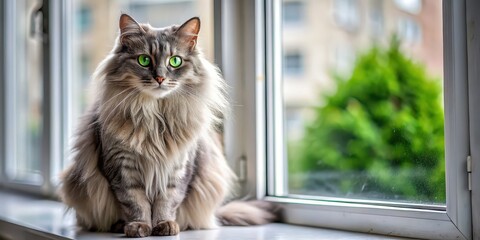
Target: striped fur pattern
(147, 159)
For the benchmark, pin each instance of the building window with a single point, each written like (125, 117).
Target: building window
(376, 18)
(294, 122)
(293, 63)
(409, 30)
(410, 6)
(84, 18)
(344, 58)
(347, 14)
(293, 12)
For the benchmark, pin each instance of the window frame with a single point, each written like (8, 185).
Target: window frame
(473, 52)
(52, 117)
(252, 130)
(245, 57)
(2, 92)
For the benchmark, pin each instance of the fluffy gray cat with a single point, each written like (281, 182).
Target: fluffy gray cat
(147, 159)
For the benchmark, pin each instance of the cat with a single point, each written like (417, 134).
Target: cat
(147, 158)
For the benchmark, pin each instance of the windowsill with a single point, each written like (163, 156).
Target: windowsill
(26, 217)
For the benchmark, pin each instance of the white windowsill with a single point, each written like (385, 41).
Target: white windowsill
(26, 217)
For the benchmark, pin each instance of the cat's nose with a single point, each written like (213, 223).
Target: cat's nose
(160, 79)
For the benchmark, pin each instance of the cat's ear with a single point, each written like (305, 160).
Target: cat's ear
(188, 32)
(128, 26)
(127, 23)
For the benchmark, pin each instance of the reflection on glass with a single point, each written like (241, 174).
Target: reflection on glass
(365, 118)
(95, 27)
(26, 163)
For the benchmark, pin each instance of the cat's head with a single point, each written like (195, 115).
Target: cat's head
(156, 61)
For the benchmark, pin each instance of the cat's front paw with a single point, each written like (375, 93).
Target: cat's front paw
(137, 229)
(166, 228)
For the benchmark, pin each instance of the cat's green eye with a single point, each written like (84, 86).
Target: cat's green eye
(175, 61)
(144, 60)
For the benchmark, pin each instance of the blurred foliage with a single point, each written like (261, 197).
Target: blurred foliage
(385, 122)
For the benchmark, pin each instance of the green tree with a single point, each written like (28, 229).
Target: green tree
(381, 132)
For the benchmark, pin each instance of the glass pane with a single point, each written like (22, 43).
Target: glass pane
(363, 100)
(95, 27)
(26, 98)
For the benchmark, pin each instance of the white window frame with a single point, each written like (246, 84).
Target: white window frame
(54, 57)
(2, 93)
(248, 58)
(243, 29)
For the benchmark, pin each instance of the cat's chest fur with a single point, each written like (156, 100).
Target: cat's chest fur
(155, 129)
(160, 136)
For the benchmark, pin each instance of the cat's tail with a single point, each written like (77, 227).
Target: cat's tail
(245, 213)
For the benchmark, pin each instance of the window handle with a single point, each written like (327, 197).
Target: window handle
(37, 27)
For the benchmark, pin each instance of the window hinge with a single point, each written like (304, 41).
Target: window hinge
(469, 172)
(242, 169)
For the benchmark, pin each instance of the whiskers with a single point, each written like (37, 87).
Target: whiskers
(125, 80)
(189, 92)
(172, 83)
(116, 95)
(128, 96)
